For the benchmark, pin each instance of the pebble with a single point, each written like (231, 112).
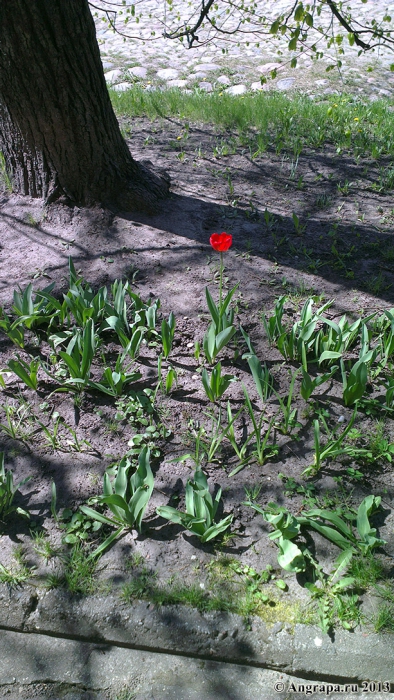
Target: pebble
(207, 67)
(257, 86)
(236, 90)
(121, 87)
(139, 71)
(248, 58)
(177, 83)
(285, 83)
(167, 73)
(113, 75)
(223, 80)
(268, 67)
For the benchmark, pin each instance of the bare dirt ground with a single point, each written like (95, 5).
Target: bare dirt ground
(343, 249)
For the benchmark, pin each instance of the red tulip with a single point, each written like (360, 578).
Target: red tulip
(221, 241)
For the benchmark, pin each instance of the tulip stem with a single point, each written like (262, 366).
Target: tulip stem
(220, 282)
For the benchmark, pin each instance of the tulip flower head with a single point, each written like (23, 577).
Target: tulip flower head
(221, 241)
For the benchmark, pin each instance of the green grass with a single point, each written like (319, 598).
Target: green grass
(5, 177)
(384, 619)
(231, 587)
(19, 572)
(77, 574)
(124, 694)
(273, 120)
(370, 574)
(79, 571)
(367, 570)
(42, 545)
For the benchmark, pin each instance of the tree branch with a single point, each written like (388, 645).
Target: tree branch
(347, 26)
(192, 32)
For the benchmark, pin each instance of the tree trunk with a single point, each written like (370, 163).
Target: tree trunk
(58, 132)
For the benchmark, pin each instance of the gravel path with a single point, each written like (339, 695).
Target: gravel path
(236, 65)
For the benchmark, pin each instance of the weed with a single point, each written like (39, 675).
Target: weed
(323, 201)
(134, 561)
(17, 574)
(231, 587)
(334, 447)
(8, 491)
(377, 284)
(289, 421)
(286, 124)
(124, 694)
(298, 227)
(345, 188)
(20, 423)
(78, 526)
(384, 618)
(270, 220)
(259, 449)
(31, 220)
(5, 177)
(79, 570)
(43, 546)
(366, 570)
(333, 593)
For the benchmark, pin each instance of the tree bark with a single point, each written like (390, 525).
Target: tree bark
(58, 132)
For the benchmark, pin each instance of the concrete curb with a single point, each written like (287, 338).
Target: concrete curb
(183, 631)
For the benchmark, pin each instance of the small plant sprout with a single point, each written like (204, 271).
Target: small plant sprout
(260, 449)
(240, 450)
(308, 385)
(27, 373)
(263, 379)
(334, 446)
(216, 384)
(4, 373)
(127, 498)
(167, 334)
(214, 342)
(201, 509)
(289, 420)
(78, 359)
(198, 432)
(12, 330)
(115, 381)
(273, 325)
(298, 227)
(354, 383)
(8, 491)
(269, 220)
(217, 434)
